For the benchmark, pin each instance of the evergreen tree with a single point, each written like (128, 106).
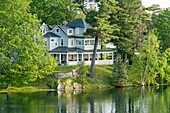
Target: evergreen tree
(22, 51)
(129, 20)
(162, 23)
(100, 25)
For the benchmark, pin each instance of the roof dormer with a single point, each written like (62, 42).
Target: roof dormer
(70, 31)
(44, 28)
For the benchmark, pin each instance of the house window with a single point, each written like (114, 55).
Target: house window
(70, 31)
(61, 42)
(56, 43)
(43, 30)
(45, 43)
(92, 42)
(77, 31)
(79, 42)
(72, 42)
(87, 42)
(57, 30)
(99, 42)
(71, 56)
(52, 39)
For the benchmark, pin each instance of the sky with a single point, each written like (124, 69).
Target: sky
(162, 3)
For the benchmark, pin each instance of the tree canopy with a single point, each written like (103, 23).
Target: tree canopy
(101, 26)
(23, 57)
(162, 24)
(53, 12)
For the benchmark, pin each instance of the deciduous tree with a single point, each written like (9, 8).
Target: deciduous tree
(54, 12)
(145, 68)
(22, 51)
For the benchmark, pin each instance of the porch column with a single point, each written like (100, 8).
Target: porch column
(97, 55)
(59, 60)
(113, 57)
(77, 58)
(104, 56)
(89, 57)
(67, 58)
(82, 58)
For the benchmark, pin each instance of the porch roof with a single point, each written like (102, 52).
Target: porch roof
(64, 49)
(100, 50)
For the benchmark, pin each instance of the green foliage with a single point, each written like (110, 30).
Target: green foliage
(101, 26)
(22, 51)
(54, 12)
(100, 20)
(120, 70)
(129, 20)
(145, 67)
(162, 23)
(165, 65)
(82, 72)
(66, 69)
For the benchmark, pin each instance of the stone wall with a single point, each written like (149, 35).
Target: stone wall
(74, 72)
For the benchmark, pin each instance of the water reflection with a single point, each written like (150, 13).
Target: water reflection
(126, 100)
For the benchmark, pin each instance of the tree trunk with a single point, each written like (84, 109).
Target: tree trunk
(117, 58)
(92, 104)
(93, 58)
(125, 60)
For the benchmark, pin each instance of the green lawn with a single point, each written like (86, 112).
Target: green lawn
(103, 76)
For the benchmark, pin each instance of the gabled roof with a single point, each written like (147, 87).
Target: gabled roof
(50, 34)
(64, 49)
(79, 22)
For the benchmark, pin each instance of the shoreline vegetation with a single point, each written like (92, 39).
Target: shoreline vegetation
(104, 79)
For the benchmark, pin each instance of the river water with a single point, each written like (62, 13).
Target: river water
(124, 100)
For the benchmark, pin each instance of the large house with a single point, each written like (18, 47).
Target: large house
(70, 46)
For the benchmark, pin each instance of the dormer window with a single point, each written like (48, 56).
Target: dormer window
(70, 31)
(57, 30)
(43, 30)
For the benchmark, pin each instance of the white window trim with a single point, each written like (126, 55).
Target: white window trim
(44, 30)
(72, 40)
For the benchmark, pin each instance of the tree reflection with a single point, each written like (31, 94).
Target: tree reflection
(91, 100)
(124, 100)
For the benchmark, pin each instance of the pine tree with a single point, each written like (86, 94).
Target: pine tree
(101, 25)
(162, 24)
(129, 20)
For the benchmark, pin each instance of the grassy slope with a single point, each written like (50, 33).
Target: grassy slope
(102, 79)
(102, 76)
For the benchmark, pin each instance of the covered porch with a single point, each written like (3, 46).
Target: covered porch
(75, 58)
